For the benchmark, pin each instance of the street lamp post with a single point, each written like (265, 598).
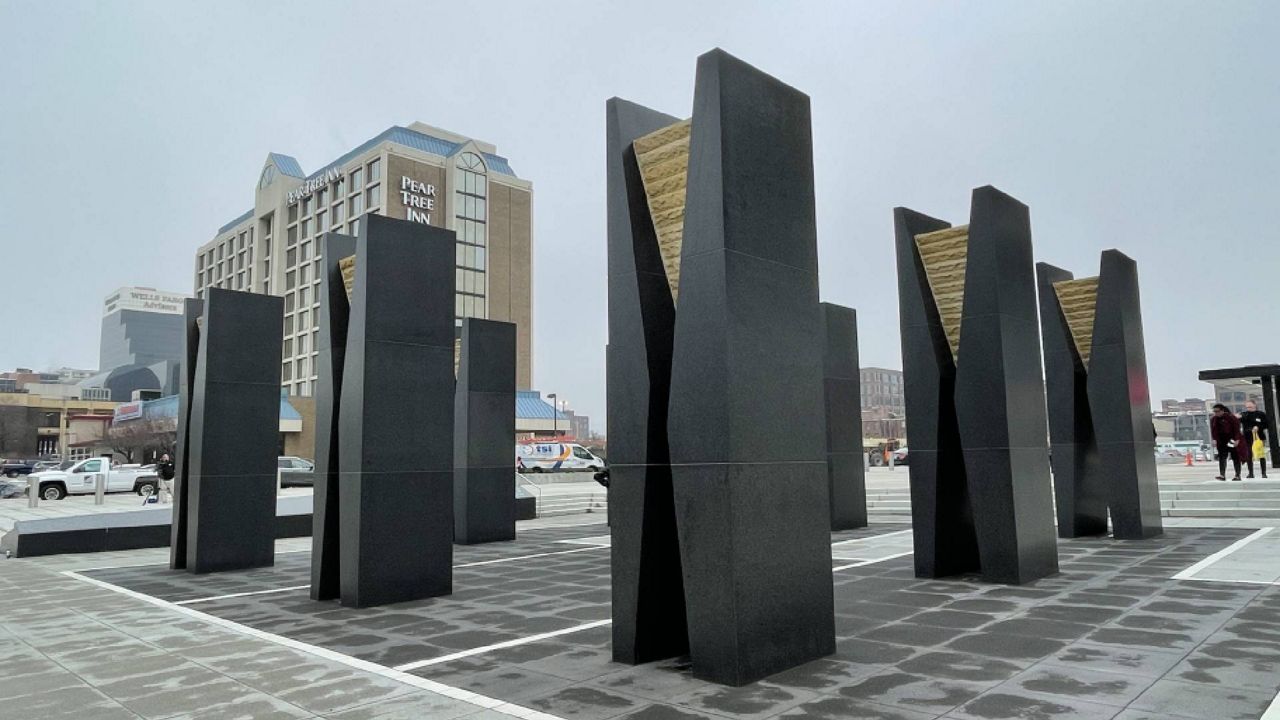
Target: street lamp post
(555, 415)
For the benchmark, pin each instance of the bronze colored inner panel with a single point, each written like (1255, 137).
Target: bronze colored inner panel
(944, 254)
(1079, 301)
(348, 267)
(663, 157)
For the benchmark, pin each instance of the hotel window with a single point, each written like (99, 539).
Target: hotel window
(338, 186)
(288, 324)
(306, 250)
(375, 169)
(291, 238)
(336, 213)
(302, 344)
(304, 274)
(373, 196)
(355, 227)
(293, 213)
(304, 324)
(306, 206)
(288, 306)
(288, 347)
(469, 202)
(290, 279)
(306, 228)
(291, 257)
(320, 197)
(357, 179)
(322, 222)
(357, 204)
(286, 373)
(304, 297)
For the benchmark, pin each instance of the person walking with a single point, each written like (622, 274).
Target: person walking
(1253, 424)
(165, 469)
(1225, 430)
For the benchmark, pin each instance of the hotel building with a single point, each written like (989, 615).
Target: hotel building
(416, 173)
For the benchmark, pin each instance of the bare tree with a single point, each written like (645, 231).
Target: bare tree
(135, 438)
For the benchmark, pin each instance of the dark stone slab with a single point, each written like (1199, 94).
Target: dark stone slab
(234, 433)
(648, 587)
(981, 411)
(331, 347)
(842, 400)
(395, 486)
(191, 311)
(746, 423)
(484, 433)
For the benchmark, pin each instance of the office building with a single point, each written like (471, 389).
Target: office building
(141, 343)
(416, 173)
(884, 405)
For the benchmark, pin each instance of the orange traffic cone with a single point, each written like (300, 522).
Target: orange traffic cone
(1190, 462)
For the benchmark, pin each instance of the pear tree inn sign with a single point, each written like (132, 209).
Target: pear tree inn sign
(418, 198)
(324, 179)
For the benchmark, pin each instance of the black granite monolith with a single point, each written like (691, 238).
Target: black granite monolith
(846, 483)
(234, 431)
(331, 347)
(980, 486)
(647, 583)
(484, 473)
(746, 426)
(191, 311)
(395, 418)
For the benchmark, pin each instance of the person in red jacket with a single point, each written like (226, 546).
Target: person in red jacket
(1225, 429)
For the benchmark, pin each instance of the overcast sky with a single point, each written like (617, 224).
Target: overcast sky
(132, 131)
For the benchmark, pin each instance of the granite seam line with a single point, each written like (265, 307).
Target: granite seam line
(482, 701)
(872, 562)
(1189, 573)
(501, 646)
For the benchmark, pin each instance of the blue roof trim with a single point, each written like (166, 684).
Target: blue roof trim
(287, 165)
(167, 407)
(418, 141)
(247, 214)
(531, 406)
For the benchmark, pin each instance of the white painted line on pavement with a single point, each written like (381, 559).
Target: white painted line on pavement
(482, 701)
(1189, 573)
(241, 594)
(501, 646)
(872, 562)
(873, 537)
(527, 557)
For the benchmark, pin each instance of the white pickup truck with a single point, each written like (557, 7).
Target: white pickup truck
(80, 477)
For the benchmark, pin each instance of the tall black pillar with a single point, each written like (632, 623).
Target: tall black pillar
(1120, 401)
(484, 420)
(846, 483)
(1079, 492)
(331, 347)
(234, 433)
(395, 419)
(975, 394)
(648, 586)
(746, 423)
(1269, 397)
(192, 310)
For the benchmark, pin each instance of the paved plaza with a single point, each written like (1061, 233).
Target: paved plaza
(1182, 626)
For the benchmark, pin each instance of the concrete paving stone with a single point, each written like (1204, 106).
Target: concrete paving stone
(1008, 646)
(49, 677)
(823, 676)
(1029, 706)
(951, 619)
(69, 703)
(911, 634)
(1184, 699)
(1110, 658)
(839, 708)
(915, 692)
(1241, 673)
(323, 687)
(959, 666)
(575, 663)
(1075, 683)
(1080, 614)
(1143, 639)
(248, 707)
(661, 681)
(413, 706)
(507, 683)
(750, 702)
(658, 711)
(586, 703)
(1033, 627)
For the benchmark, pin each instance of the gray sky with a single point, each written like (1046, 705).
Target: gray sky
(132, 131)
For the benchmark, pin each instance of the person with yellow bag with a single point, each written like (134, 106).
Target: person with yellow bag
(1253, 423)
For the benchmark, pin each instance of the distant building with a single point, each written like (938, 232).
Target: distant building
(536, 417)
(1188, 405)
(33, 424)
(579, 425)
(1183, 420)
(141, 343)
(1235, 397)
(884, 404)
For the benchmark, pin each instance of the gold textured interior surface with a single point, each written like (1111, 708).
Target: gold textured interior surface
(944, 254)
(1079, 301)
(348, 267)
(663, 157)
(457, 356)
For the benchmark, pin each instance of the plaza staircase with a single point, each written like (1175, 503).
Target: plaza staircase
(565, 493)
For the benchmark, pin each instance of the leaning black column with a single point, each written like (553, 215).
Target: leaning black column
(187, 380)
(395, 420)
(1078, 489)
(746, 424)
(971, 356)
(484, 420)
(234, 433)
(648, 587)
(846, 482)
(331, 347)
(1120, 401)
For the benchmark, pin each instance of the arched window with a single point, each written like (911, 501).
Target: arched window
(268, 174)
(470, 200)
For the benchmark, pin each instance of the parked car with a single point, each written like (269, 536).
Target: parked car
(16, 468)
(46, 465)
(296, 471)
(80, 477)
(900, 456)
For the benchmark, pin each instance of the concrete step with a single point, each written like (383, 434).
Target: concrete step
(1222, 512)
(1224, 503)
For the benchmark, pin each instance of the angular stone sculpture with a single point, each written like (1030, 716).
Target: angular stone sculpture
(232, 435)
(737, 372)
(1099, 403)
(484, 420)
(980, 487)
(192, 309)
(331, 347)
(846, 482)
(395, 417)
